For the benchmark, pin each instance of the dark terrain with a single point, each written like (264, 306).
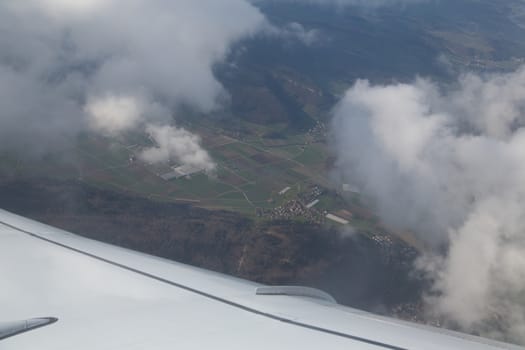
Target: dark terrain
(356, 271)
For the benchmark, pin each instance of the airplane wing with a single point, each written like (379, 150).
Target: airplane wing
(60, 291)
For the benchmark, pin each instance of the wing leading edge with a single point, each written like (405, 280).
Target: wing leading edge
(112, 298)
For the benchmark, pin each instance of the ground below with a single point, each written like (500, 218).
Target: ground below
(356, 270)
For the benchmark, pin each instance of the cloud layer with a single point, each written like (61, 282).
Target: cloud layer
(112, 65)
(449, 165)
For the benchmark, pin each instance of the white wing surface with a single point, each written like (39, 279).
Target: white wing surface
(105, 297)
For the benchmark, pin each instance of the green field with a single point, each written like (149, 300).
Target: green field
(250, 172)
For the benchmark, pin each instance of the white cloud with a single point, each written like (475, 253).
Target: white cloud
(449, 166)
(55, 8)
(176, 144)
(114, 114)
(68, 64)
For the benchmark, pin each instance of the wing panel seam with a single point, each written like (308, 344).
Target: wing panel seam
(207, 295)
